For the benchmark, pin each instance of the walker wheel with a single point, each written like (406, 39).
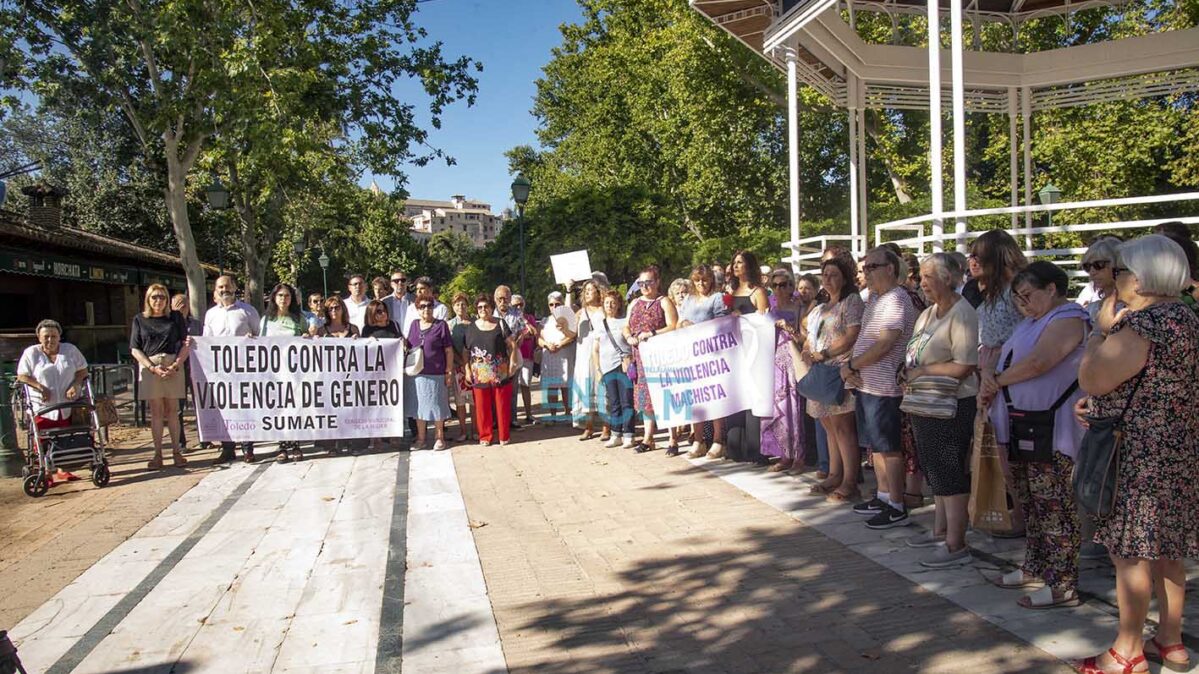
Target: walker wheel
(101, 475)
(35, 485)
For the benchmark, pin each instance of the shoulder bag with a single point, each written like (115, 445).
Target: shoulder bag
(1097, 469)
(625, 358)
(933, 395)
(414, 360)
(823, 382)
(1030, 432)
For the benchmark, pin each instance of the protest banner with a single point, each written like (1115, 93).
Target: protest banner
(710, 370)
(291, 388)
(570, 267)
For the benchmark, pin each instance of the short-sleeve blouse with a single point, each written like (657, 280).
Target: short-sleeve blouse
(997, 320)
(433, 341)
(828, 324)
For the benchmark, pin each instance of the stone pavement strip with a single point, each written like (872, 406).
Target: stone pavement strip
(606, 561)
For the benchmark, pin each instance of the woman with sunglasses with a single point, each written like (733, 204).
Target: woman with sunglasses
(557, 341)
(430, 401)
(334, 321)
(159, 343)
(283, 318)
(783, 433)
(1097, 262)
(650, 315)
(491, 353)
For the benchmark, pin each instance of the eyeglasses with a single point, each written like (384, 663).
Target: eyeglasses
(1116, 271)
(647, 281)
(482, 307)
(874, 265)
(1097, 265)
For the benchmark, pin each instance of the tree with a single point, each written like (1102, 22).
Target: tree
(450, 251)
(176, 84)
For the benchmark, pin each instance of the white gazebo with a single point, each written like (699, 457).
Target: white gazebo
(816, 43)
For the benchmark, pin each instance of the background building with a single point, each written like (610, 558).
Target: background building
(468, 217)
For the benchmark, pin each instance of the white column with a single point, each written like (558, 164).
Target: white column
(934, 120)
(1026, 116)
(793, 152)
(959, 120)
(852, 118)
(863, 184)
(1013, 140)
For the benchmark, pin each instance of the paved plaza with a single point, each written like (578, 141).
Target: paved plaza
(548, 555)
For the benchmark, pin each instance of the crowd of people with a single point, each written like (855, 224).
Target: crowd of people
(884, 363)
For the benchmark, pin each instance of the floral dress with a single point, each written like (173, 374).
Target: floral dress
(1156, 514)
(644, 316)
(826, 325)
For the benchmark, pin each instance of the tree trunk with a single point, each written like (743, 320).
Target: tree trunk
(176, 198)
(898, 184)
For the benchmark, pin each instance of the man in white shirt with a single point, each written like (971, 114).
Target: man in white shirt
(424, 291)
(357, 300)
(400, 300)
(230, 317)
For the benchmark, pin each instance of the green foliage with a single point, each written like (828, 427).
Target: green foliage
(449, 252)
(470, 280)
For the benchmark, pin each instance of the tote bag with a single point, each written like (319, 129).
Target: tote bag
(988, 496)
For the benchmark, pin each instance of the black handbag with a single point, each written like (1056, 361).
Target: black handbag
(1030, 432)
(1097, 470)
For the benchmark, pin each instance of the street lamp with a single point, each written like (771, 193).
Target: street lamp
(520, 194)
(297, 247)
(218, 200)
(324, 261)
(1049, 195)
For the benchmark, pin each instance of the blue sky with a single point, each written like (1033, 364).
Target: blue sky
(513, 39)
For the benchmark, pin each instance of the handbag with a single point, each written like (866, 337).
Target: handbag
(823, 384)
(106, 412)
(414, 359)
(1030, 432)
(933, 396)
(1097, 469)
(987, 504)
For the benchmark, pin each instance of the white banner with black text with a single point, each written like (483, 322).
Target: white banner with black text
(291, 388)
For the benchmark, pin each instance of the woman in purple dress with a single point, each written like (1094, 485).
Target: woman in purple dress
(783, 432)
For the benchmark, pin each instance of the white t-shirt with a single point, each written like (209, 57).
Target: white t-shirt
(356, 311)
(57, 376)
(237, 320)
(440, 312)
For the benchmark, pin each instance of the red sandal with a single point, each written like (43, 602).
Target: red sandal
(1091, 664)
(1162, 651)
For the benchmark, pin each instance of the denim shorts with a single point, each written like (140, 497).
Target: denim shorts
(878, 422)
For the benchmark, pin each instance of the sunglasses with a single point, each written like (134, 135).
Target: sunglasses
(424, 306)
(482, 307)
(1097, 265)
(399, 280)
(647, 281)
(781, 284)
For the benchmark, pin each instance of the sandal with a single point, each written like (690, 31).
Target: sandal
(913, 500)
(821, 475)
(836, 496)
(1015, 580)
(1159, 656)
(154, 464)
(780, 467)
(586, 435)
(672, 450)
(1045, 598)
(282, 457)
(1091, 664)
(178, 460)
(642, 448)
(824, 488)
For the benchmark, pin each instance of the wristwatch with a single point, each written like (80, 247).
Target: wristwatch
(849, 364)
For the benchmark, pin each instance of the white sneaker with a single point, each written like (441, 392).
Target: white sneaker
(628, 444)
(944, 559)
(614, 441)
(439, 445)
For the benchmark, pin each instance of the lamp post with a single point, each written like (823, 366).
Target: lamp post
(297, 247)
(218, 200)
(324, 262)
(1049, 195)
(520, 194)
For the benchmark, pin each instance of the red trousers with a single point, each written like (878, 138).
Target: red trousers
(493, 404)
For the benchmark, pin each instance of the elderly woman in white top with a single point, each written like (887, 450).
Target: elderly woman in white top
(590, 320)
(53, 372)
(557, 341)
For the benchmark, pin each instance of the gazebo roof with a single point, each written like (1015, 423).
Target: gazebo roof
(828, 51)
